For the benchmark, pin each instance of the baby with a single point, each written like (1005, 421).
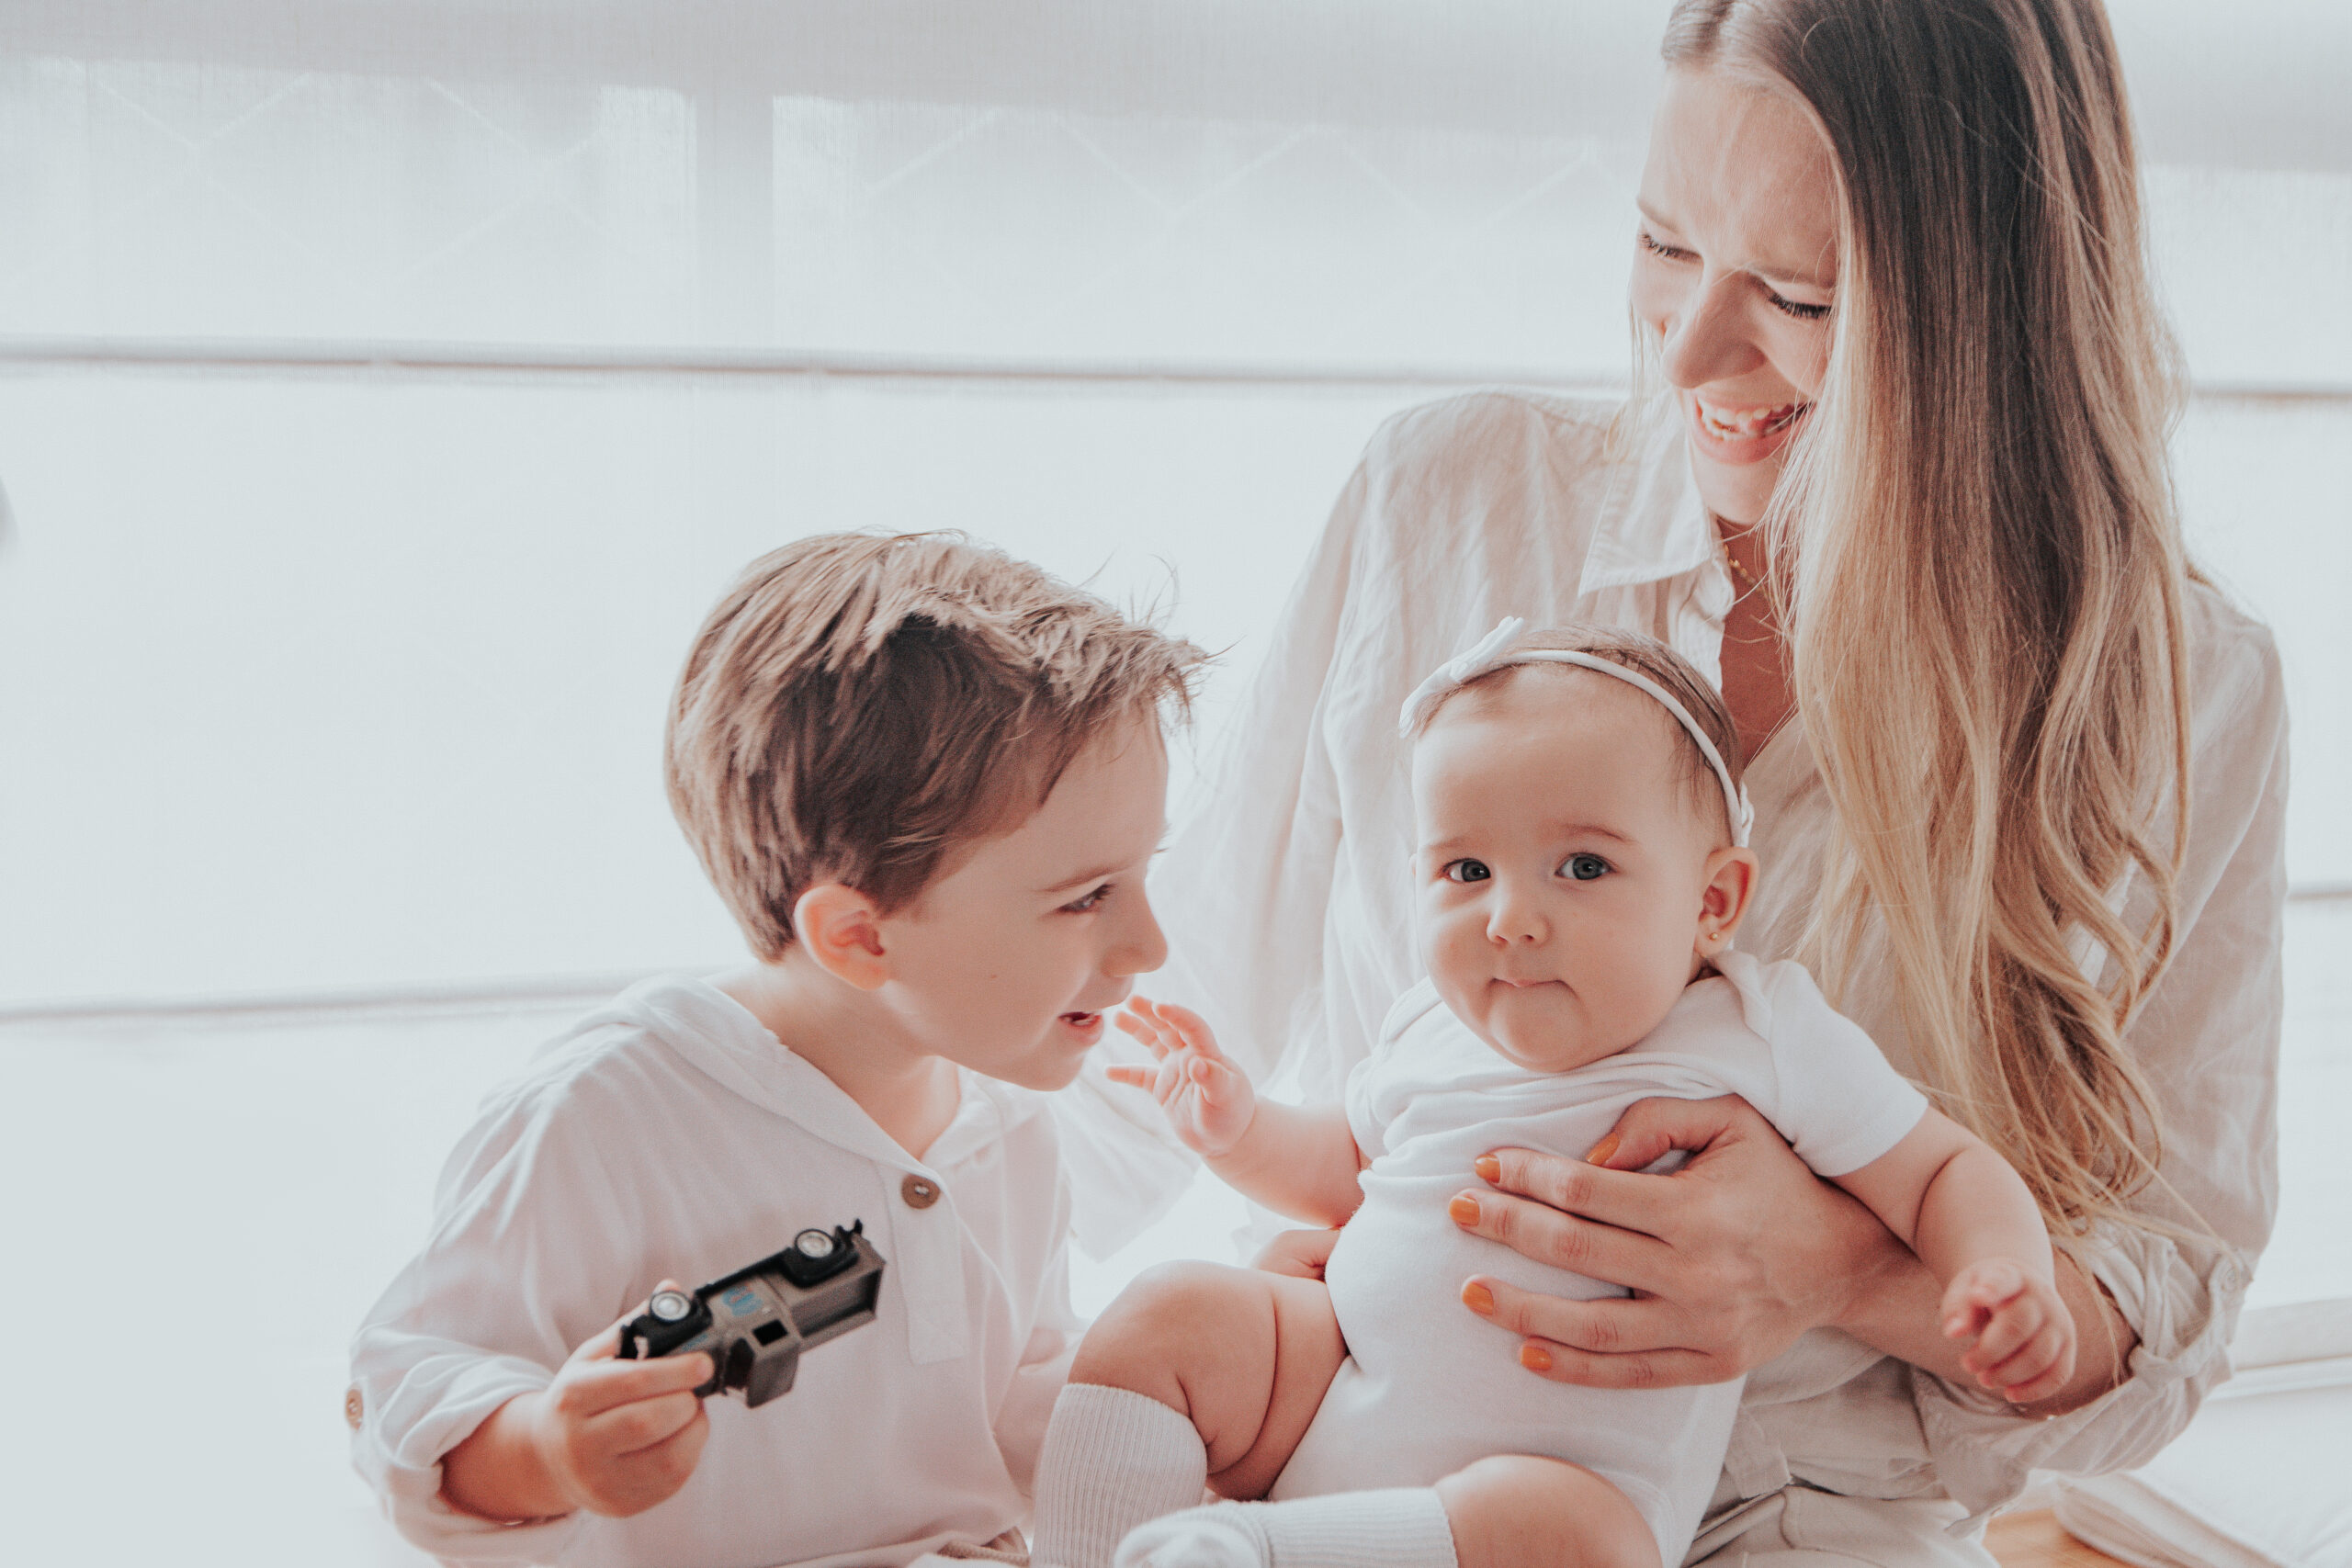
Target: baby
(1581, 870)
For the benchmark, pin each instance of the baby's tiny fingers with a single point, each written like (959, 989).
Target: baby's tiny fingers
(2011, 1328)
(2045, 1386)
(2035, 1358)
(1140, 1078)
(1145, 1031)
(1191, 1026)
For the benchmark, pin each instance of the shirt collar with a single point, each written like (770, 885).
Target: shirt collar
(1652, 526)
(721, 1038)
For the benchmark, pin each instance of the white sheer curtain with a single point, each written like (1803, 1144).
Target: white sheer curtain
(391, 382)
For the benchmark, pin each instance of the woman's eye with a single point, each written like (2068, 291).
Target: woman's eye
(1802, 312)
(1089, 901)
(1584, 867)
(1651, 243)
(1467, 870)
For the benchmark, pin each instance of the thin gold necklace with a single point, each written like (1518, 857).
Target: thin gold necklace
(1732, 560)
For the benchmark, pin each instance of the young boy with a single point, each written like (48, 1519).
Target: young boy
(1582, 868)
(926, 778)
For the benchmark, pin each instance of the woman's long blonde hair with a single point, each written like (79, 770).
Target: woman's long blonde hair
(1976, 547)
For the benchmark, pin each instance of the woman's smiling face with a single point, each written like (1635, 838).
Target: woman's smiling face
(1734, 268)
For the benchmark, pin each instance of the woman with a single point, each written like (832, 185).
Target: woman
(2019, 775)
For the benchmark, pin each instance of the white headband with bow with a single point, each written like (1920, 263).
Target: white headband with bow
(1495, 651)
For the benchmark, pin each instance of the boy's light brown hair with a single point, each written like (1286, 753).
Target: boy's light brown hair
(858, 703)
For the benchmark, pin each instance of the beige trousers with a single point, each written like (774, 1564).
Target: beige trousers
(1800, 1527)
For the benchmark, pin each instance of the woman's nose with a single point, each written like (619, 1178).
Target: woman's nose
(1708, 339)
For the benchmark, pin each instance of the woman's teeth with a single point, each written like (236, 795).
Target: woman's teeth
(1746, 425)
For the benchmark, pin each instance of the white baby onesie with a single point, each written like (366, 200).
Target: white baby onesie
(1427, 1387)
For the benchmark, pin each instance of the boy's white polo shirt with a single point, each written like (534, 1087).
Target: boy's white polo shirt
(668, 1134)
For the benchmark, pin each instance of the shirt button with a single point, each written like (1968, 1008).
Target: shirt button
(918, 1192)
(352, 1407)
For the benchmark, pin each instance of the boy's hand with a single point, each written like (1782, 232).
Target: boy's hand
(2024, 1336)
(609, 1436)
(1207, 1099)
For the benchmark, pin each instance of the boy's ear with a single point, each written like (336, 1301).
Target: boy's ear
(1723, 902)
(842, 929)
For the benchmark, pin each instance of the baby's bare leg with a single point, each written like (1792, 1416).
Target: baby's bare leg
(1244, 1355)
(1517, 1511)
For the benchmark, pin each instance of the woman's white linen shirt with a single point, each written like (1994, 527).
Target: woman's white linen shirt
(668, 1134)
(1287, 898)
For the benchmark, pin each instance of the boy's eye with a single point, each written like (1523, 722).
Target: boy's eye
(1584, 866)
(1467, 870)
(1085, 902)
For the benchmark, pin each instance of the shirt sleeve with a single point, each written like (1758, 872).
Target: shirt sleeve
(509, 1280)
(1841, 1104)
(2207, 1040)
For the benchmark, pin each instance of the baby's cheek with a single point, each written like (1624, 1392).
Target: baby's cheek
(1452, 968)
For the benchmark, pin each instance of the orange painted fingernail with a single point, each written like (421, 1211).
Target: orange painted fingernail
(1488, 1168)
(1464, 1211)
(1535, 1357)
(1478, 1299)
(1603, 1150)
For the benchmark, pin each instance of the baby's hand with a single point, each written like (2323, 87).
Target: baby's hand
(1207, 1099)
(618, 1437)
(2024, 1348)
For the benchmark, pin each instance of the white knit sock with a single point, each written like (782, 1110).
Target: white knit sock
(1405, 1527)
(1111, 1460)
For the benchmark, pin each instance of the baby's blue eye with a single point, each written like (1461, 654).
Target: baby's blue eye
(1467, 870)
(1086, 902)
(1584, 866)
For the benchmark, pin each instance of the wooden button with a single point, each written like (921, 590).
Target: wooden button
(354, 1407)
(919, 1193)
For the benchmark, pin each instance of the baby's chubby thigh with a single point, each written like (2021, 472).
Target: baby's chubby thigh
(1245, 1355)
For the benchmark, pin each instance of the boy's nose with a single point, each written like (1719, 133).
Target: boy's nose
(1140, 949)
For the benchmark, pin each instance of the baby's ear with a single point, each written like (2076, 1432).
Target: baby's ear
(1723, 903)
(840, 929)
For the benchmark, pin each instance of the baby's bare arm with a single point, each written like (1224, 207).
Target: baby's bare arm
(1952, 1199)
(1973, 1223)
(1298, 1160)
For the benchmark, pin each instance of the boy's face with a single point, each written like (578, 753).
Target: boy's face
(1560, 865)
(1007, 961)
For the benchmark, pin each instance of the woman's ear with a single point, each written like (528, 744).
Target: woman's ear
(1723, 903)
(840, 929)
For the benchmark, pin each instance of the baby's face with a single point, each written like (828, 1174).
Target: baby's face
(1561, 865)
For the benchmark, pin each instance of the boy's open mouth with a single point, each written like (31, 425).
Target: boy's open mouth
(1080, 1020)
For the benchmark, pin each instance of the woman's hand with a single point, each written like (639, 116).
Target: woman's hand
(1732, 1257)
